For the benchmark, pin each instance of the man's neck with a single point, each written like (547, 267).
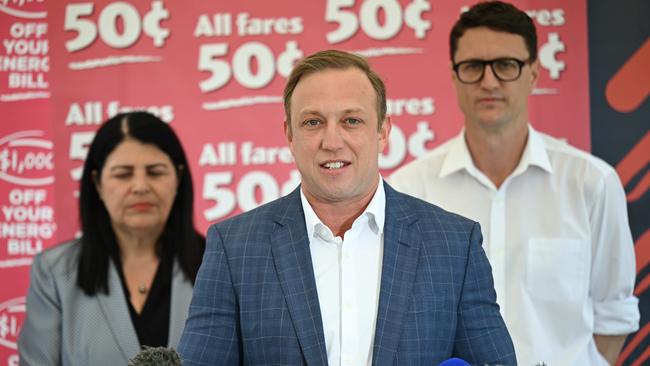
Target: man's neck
(339, 216)
(497, 153)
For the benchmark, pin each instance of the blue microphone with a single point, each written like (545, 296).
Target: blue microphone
(454, 362)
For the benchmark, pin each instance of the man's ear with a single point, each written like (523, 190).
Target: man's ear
(384, 132)
(452, 71)
(287, 131)
(534, 71)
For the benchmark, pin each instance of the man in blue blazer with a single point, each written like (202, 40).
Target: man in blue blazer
(344, 270)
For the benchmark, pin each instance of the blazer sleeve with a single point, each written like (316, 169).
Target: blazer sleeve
(39, 342)
(481, 335)
(211, 335)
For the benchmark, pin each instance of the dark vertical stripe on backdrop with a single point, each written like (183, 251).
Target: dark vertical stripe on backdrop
(619, 64)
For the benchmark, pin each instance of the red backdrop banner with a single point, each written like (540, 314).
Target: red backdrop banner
(215, 70)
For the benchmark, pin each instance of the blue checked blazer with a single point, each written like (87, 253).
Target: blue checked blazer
(255, 300)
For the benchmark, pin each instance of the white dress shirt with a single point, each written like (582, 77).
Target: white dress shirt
(348, 277)
(557, 236)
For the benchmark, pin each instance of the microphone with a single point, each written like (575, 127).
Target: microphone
(156, 356)
(454, 362)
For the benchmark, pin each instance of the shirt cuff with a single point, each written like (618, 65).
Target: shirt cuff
(617, 317)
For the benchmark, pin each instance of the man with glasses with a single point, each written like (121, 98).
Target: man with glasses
(553, 218)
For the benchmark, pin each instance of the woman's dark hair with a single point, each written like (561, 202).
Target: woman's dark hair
(497, 16)
(98, 243)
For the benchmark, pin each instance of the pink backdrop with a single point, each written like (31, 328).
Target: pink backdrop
(215, 71)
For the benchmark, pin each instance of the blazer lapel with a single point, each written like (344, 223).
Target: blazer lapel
(180, 304)
(117, 316)
(401, 251)
(292, 258)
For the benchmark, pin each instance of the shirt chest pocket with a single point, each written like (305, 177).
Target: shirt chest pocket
(557, 269)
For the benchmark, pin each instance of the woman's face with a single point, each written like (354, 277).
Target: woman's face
(137, 185)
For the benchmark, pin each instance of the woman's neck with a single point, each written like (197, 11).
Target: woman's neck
(136, 245)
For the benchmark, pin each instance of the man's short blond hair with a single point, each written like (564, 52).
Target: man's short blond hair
(338, 60)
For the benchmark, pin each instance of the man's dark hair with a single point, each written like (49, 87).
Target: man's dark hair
(98, 243)
(497, 16)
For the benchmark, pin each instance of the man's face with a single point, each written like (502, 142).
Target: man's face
(490, 103)
(334, 137)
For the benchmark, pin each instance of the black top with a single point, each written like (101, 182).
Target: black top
(152, 324)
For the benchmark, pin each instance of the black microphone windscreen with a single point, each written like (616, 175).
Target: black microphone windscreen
(156, 356)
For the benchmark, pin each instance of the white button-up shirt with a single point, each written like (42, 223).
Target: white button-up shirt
(348, 278)
(557, 236)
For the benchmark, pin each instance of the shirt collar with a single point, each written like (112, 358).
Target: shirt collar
(535, 152)
(374, 214)
(459, 157)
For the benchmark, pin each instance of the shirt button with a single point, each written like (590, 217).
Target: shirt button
(347, 307)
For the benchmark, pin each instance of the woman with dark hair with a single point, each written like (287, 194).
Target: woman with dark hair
(127, 282)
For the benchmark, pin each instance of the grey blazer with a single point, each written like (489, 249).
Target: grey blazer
(64, 326)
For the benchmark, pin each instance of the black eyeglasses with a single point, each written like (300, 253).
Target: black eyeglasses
(505, 69)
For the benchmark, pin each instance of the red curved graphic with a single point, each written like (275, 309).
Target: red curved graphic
(644, 356)
(631, 345)
(630, 86)
(642, 250)
(631, 164)
(625, 92)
